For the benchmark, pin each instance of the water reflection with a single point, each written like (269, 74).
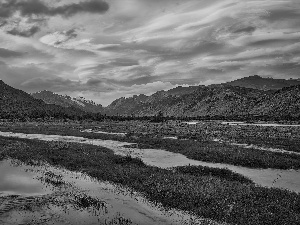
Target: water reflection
(77, 199)
(14, 180)
(287, 179)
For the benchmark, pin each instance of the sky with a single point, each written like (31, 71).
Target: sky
(103, 50)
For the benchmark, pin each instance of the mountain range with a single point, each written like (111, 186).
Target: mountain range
(264, 83)
(249, 97)
(67, 101)
(17, 104)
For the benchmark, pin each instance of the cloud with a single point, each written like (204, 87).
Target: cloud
(269, 42)
(27, 17)
(286, 12)
(61, 84)
(60, 37)
(94, 82)
(71, 33)
(50, 83)
(105, 97)
(24, 33)
(249, 29)
(110, 47)
(69, 39)
(124, 62)
(6, 53)
(141, 46)
(39, 8)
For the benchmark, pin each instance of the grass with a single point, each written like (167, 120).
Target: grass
(199, 148)
(217, 194)
(210, 151)
(273, 142)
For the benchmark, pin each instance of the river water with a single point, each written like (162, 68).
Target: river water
(286, 179)
(15, 180)
(252, 146)
(237, 123)
(48, 195)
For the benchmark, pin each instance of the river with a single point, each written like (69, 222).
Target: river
(285, 179)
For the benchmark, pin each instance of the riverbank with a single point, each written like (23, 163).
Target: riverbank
(216, 194)
(285, 179)
(196, 142)
(43, 194)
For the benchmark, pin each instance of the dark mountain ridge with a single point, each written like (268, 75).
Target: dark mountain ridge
(67, 101)
(263, 83)
(202, 101)
(214, 101)
(17, 104)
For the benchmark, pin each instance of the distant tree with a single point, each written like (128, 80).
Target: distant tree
(159, 117)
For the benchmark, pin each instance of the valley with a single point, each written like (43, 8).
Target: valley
(192, 173)
(149, 112)
(219, 154)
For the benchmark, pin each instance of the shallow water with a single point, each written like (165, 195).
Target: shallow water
(236, 123)
(286, 179)
(101, 132)
(173, 138)
(15, 180)
(79, 199)
(191, 122)
(247, 146)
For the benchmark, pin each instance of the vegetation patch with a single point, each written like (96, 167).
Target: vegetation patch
(195, 141)
(211, 151)
(216, 194)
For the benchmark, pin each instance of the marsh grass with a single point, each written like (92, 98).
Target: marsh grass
(211, 151)
(83, 201)
(216, 194)
(53, 179)
(200, 147)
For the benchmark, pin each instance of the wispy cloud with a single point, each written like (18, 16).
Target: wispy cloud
(40, 8)
(24, 33)
(121, 47)
(6, 53)
(34, 13)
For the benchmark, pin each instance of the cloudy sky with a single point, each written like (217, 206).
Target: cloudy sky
(103, 50)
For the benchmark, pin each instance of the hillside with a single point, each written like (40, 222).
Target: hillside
(283, 103)
(263, 83)
(202, 101)
(66, 101)
(215, 101)
(17, 104)
(152, 104)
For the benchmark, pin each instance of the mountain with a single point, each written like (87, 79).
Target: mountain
(66, 101)
(152, 104)
(17, 104)
(179, 91)
(214, 101)
(283, 103)
(199, 101)
(263, 83)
